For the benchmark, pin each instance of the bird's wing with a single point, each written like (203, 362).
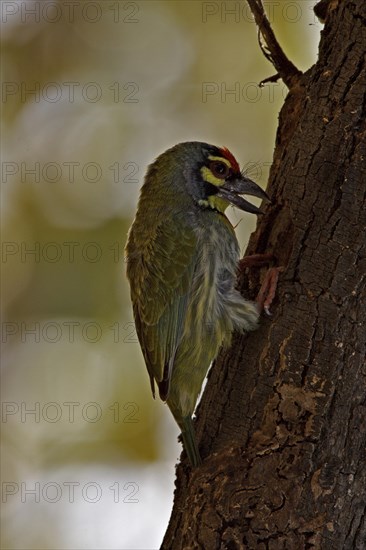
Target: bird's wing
(161, 278)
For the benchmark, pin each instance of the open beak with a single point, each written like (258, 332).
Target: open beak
(231, 191)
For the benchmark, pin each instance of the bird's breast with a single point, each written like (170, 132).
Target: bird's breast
(214, 277)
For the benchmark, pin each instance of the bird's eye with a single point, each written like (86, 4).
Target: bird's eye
(219, 169)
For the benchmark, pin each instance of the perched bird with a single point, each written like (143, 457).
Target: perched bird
(182, 257)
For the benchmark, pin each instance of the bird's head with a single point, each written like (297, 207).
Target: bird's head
(213, 177)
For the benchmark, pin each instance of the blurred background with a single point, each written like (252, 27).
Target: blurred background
(91, 93)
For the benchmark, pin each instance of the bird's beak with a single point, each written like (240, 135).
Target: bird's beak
(231, 191)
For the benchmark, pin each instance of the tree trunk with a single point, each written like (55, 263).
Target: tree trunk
(282, 422)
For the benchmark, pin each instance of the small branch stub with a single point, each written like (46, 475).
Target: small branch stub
(272, 50)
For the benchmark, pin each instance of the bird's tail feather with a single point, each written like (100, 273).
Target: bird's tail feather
(189, 441)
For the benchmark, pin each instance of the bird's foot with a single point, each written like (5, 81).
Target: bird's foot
(268, 288)
(255, 260)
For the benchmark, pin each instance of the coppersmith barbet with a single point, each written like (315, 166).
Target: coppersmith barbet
(182, 257)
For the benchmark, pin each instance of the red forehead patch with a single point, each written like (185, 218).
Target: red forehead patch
(230, 157)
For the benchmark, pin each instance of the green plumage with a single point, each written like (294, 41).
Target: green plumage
(182, 258)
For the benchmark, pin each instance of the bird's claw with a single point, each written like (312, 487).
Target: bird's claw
(267, 311)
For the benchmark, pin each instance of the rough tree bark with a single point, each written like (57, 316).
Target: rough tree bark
(282, 423)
